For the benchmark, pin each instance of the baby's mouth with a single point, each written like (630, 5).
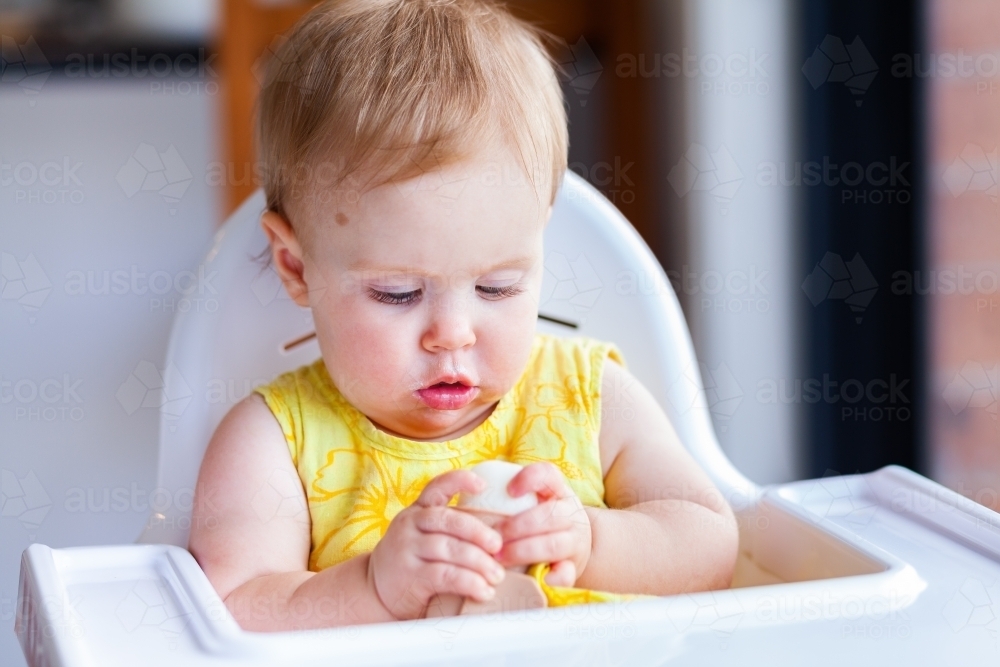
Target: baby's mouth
(447, 395)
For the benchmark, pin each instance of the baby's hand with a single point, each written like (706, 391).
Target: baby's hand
(430, 548)
(557, 530)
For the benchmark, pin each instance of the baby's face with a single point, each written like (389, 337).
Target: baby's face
(435, 279)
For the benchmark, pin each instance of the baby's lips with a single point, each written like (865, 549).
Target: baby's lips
(451, 378)
(447, 397)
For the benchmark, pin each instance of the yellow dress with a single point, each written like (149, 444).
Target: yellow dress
(357, 477)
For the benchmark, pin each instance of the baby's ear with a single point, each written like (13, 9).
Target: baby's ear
(286, 254)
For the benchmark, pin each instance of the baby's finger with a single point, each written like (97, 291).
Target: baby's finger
(451, 578)
(543, 478)
(441, 489)
(544, 518)
(547, 547)
(460, 524)
(562, 573)
(438, 547)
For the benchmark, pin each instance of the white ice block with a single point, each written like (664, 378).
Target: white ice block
(495, 498)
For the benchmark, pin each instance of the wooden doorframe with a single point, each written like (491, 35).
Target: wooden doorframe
(250, 27)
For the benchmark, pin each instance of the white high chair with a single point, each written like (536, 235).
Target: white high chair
(884, 566)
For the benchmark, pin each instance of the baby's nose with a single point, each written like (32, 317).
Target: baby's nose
(451, 326)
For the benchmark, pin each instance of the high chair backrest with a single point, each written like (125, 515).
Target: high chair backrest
(601, 280)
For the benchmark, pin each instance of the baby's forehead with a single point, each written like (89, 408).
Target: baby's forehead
(421, 251)
(386, 266)
(427, 240)
(491, 162)
(448, 204)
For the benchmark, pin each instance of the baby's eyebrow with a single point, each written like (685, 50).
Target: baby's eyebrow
(517, 262)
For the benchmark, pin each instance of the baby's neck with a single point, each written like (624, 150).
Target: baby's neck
(457, 433)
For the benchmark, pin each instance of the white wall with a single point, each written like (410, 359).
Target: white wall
(741, 293)
(66, 427)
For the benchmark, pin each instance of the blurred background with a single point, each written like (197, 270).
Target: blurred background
(818, 179)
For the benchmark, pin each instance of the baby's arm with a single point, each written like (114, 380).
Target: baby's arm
(257, 563)
(669, 530)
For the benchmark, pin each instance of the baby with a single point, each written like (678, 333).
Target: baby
(412, 151)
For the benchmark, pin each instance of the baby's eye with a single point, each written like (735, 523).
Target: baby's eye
(405, 298)
(394, 297)
(509, 290)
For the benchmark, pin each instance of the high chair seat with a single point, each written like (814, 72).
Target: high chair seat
(883, 566)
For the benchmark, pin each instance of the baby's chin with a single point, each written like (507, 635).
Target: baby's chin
(426, 423)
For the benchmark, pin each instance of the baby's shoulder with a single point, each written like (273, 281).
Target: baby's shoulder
(305, 382)
(300, 395)
(579, 357)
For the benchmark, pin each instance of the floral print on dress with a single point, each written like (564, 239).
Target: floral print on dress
(357, 477)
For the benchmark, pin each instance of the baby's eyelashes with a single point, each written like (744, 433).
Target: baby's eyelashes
(393, 297)
(508, 291)
(406, 298)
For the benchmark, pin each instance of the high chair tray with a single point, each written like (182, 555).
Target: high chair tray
(887, 566)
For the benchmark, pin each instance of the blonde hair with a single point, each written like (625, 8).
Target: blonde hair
(393, 88)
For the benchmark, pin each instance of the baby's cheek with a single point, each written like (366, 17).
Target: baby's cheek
(508, 355)
(378, 358)
(322, 289)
